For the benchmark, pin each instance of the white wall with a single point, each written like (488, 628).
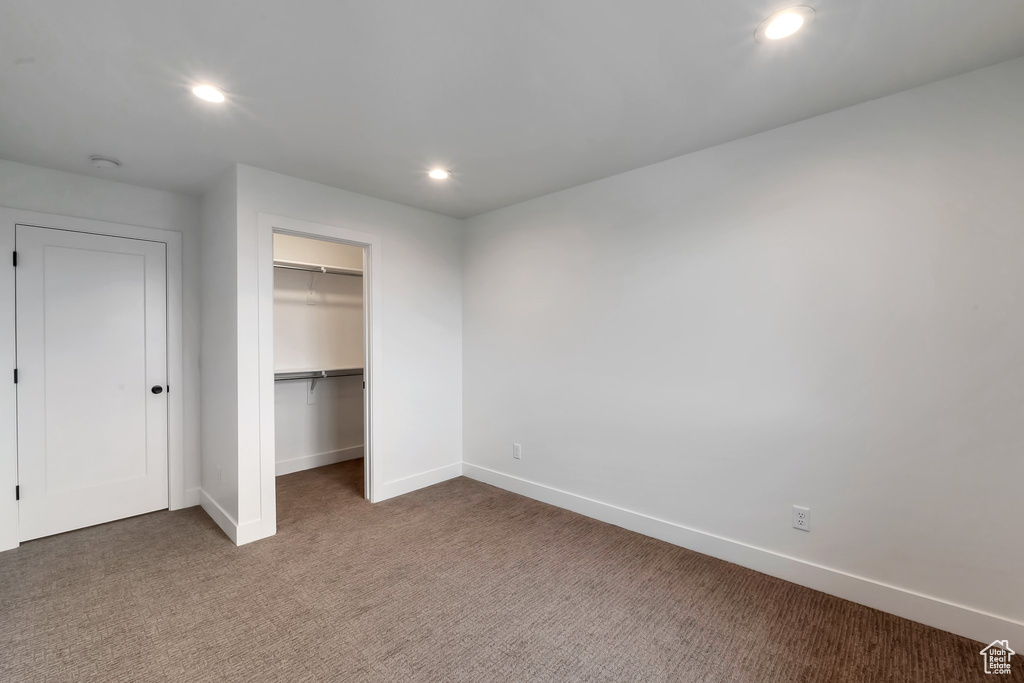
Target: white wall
(318, 328)
(220, 352)
(828, 314)
(38, 189)
(303, 250)
(315, 432)
(418, 378)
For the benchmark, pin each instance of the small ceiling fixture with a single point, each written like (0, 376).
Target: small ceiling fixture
(783, 24)
(210, 93)
(440, 174)
(104, 162)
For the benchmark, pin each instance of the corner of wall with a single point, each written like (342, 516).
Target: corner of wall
(398, 487)
(218, 352)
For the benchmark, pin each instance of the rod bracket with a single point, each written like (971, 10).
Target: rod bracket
(314, 380)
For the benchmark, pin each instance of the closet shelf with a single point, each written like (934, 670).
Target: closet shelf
(317, 374)
(316, 268)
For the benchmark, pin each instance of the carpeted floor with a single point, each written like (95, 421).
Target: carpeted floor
(458, 582)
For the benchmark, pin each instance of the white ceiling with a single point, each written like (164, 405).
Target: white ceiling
(517, 98)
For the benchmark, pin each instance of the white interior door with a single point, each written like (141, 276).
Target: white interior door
(91, 335)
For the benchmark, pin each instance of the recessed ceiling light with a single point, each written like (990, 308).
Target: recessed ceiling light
(783, 24)
(207, 92)
(104, 162)
(440, 174)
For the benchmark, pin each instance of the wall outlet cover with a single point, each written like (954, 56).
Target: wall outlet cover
(801, 518)
(517, 451)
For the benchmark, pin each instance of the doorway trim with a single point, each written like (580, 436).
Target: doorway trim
(177, 497)
(269, 224)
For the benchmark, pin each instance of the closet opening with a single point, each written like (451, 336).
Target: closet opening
(320, 351)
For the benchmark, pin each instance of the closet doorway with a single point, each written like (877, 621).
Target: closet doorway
(319, 353)
(319, 340)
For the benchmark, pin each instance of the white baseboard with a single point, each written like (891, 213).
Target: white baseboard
(416, 481)
(219, 515)
(192, 498)
(308, 462)
(959, 619)
(240, 534)
(250, 531)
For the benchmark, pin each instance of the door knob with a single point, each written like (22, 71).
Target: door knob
(157, 389)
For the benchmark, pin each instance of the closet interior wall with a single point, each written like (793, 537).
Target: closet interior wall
(318, 325)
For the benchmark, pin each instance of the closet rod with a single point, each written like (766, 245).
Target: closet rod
(314, 268)
(317, 374)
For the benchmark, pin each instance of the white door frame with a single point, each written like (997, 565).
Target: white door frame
(9, 218)
(371, 245)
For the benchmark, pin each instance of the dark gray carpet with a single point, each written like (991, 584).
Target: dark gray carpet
(458, 582)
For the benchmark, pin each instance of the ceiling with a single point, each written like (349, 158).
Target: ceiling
(518, 99)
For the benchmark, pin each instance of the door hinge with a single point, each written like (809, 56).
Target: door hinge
(15, 375)
(17, 492)
(364, 385)
(15, 260)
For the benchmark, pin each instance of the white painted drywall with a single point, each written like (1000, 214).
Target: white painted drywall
(329, 429)
(318, 318)
(220, 352)
(38, 189)
(418, 380)
(827, 314)
(304, 250)
(318, 328)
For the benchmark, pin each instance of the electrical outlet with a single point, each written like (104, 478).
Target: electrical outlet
(218, 473)
(517, 451)
(801, 518)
